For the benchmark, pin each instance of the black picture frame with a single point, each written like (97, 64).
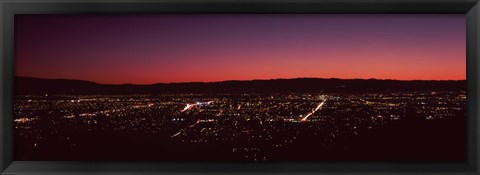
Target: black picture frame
(8, 9)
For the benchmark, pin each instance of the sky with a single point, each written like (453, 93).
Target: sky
(166, 48)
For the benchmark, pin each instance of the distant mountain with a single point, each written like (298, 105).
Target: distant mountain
(28, 85)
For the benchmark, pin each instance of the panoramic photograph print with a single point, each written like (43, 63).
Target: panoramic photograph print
(240, 87)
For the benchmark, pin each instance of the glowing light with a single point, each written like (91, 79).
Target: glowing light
(313, 111)
(24, 120)
(190, 106)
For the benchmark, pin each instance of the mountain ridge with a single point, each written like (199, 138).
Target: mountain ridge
(31, 85)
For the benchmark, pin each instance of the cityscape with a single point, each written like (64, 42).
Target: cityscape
(230, 127)
(240, 87)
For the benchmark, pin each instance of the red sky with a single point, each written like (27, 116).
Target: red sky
(145, 49)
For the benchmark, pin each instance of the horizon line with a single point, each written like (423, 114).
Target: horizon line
(236, 80)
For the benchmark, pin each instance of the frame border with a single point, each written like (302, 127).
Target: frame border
(8, 9)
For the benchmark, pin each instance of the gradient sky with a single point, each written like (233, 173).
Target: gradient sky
(145, 49)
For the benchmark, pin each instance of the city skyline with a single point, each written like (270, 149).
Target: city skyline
(148, 49)
(178, 87)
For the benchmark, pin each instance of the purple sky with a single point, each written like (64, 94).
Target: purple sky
(146, 49)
